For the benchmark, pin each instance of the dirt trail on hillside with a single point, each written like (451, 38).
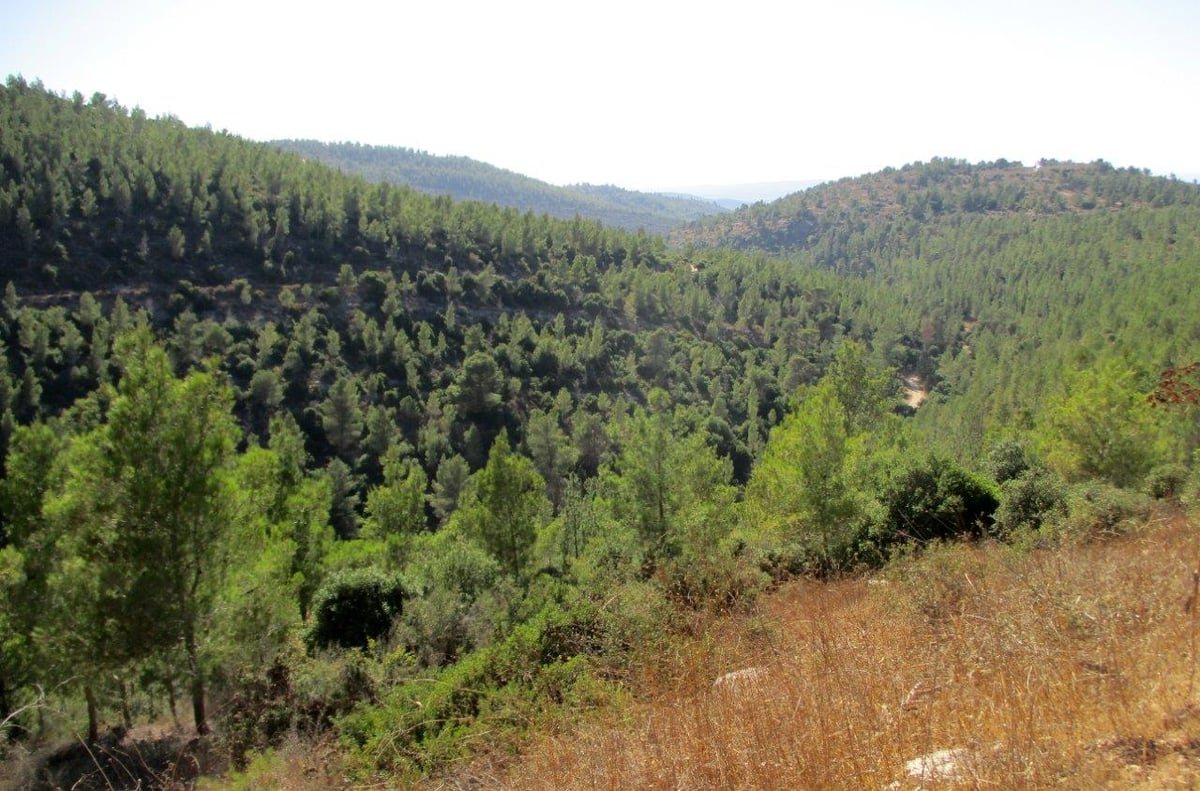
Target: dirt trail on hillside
(914, 390)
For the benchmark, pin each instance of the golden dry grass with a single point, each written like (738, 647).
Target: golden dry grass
(1066, 668)
(298, 764)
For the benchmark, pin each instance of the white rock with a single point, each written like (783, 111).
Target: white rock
(738, 678)
(940, 765)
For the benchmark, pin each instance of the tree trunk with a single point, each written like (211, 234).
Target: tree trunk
(126, 716)
(5, 706)
(93, 734)
(170, 684)
(198, 712)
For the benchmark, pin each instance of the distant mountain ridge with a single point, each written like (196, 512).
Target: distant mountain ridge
(918, 195)
(463, 178)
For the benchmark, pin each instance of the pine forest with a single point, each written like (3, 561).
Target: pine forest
(313, 479)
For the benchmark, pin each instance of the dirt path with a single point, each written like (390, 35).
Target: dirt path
(914, 390)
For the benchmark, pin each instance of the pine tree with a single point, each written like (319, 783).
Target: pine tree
(506, 507)
(342, 417)
(146, 499)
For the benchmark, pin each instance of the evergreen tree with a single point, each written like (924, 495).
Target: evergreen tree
(29, 552)
(1101, 427)
(146, 499)
(396, 509)
(451, 479)
(505, 507)
(551, 451)
(804, 489)
(342, 417)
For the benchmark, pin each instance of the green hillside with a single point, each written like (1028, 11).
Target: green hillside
(831, 219)
(991, 282)
(463, 178)
(218, 235)
(338, 460)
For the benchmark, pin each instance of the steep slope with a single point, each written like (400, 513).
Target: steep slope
(466, 179)
(1069, 667)
(224, 242)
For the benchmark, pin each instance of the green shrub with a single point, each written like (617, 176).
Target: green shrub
(461, 600)
(722, 581)
(1167, 481)
(862, 548)
(354, 607)
(428, 722)
(936, 499)
(1189, 493)
(1006, 461)
(295, 695)
(1029, 501)
(1099, 510)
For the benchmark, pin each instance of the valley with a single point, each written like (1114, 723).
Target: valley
(319, 480)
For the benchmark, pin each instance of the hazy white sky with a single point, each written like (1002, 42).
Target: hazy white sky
(648, 94)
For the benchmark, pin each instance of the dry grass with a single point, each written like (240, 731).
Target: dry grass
(299, 764)
(1072, 668)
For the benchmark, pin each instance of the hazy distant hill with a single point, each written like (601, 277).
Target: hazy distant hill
(732, 196)
(921, 194)
(1011, 274)
(463, 178)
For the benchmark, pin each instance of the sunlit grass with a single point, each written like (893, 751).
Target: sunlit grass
(1073, 668)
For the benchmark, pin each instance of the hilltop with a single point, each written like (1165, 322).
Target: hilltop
(922, 194)
(463, 178)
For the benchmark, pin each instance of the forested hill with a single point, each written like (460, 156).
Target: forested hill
(307, 282)
(333, 365)
(463, 178)
(838, 221)
(1010, 276)
(94, 195)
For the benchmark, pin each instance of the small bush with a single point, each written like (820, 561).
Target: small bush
(460, 601)
(1099, 510)
(936, 499)
(263, 710)
(721, 582)
(937, 583)
(354, 607)
(427, 723)
(864, 548)
(1167, 481)
(1006, 461)
(784, 562)
(1029, 501)
(1189, 493)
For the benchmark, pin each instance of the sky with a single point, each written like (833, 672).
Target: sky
(649, 94)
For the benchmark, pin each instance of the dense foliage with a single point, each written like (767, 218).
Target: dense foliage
(992, 283)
